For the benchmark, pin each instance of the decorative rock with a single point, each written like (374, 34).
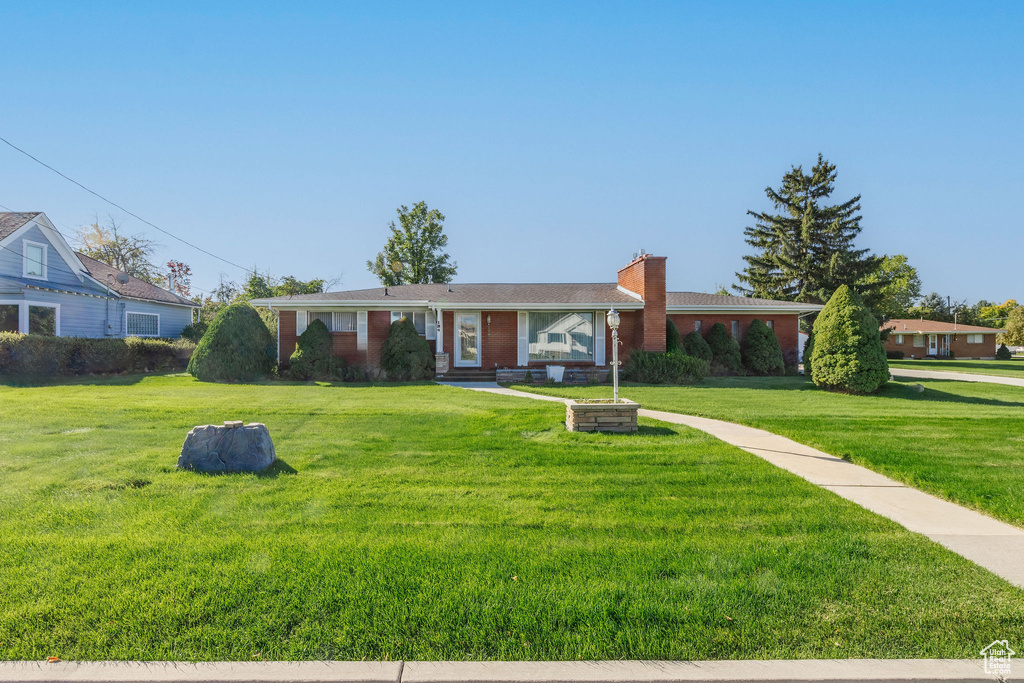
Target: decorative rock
(229, 448)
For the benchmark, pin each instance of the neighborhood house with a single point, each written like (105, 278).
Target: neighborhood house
(920, 338)
(481, 331)
(48, 288)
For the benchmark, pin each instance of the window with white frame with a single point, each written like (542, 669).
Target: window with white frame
(344, 321)
(736, 330)
(975, 339)
(42, 320)
(697, 325)
(142, 324)
(419, 319)
(561, 336)
(770, 324)
(919, 340)
(899, 338)
(9, 318)
(34, 259)
(327, 318)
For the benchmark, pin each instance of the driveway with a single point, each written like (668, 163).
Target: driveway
(958, 376)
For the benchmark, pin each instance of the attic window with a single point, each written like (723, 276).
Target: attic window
(34, 260)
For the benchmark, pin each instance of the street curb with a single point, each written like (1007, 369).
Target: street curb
(730, 671)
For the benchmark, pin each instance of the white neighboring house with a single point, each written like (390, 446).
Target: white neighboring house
(46, 287)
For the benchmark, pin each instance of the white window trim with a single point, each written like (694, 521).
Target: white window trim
(24, 259)
(141, 313)
(361, 331)
(23, 307)
(594, 336)
(336, 319)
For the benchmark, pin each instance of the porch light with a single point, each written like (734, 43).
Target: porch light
(613, 322)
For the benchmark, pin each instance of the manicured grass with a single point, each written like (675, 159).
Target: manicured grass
(963, 441)
(1005, 368)
(430, 522)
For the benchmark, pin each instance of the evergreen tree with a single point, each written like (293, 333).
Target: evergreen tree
(414, 252)
(805, 251)
(847, 354)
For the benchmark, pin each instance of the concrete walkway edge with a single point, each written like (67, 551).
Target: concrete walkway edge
(736, 671)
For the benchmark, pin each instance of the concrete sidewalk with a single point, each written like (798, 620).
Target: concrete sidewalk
(958, 376)
(994, 545)
(851, 670)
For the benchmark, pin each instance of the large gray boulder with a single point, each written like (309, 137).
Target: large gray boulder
(233, 447)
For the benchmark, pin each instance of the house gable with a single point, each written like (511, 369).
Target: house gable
(62, 265)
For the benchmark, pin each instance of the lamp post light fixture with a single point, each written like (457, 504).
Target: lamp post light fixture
(613, 322)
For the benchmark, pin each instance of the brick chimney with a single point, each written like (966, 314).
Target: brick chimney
(645, 276)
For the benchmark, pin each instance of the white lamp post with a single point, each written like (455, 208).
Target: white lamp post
(613, 322)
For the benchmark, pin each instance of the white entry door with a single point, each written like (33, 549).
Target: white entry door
(467, 340)
(933, 344)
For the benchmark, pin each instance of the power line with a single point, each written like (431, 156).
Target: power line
(115, 204)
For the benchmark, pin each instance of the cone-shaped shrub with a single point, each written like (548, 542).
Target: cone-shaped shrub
(762, 354)
(694, 345)
(406, 355)
(1003, 353)
(314, 355)
(725, 351)
(848, 354)
(808, 352)
(672, 339)
(235, 348)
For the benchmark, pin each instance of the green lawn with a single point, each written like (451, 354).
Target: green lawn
(963, 441)
(428, 522)
(1005, 368)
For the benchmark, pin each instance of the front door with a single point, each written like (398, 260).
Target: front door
(467, 340)
(933, 344)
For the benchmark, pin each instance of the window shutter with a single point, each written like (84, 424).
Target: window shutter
(431, 325)
(524, 338)
(361, 330)
(300, 322)
(599, 332)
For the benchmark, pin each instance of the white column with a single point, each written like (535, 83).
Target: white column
(439, 343)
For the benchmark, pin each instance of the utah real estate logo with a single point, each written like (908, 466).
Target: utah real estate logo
(997, 657)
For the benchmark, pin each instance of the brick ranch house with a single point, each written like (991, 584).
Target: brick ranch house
(489, 330)
(920, 338)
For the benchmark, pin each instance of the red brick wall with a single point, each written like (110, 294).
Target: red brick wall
(787, 327)
(344, 346)
(500, 339)
(286, 335)
(958, 342)
(646, 276)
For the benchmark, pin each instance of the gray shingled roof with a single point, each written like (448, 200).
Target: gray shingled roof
(134, 288)
(12, 220)
(523, 293)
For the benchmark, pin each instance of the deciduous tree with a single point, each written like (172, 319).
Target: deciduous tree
(414, 253)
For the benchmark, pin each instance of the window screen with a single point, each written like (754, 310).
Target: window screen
(143, 325)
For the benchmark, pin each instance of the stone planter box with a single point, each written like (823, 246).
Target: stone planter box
(601, 416)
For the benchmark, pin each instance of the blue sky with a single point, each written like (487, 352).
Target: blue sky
(558, 138)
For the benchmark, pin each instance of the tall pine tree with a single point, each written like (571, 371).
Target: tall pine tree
(805, 251)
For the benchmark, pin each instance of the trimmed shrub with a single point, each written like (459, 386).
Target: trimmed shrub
(41, 356)
(808, 352)
(673, 343)
(652, 367)
(761, 352)
(895, 355)
(195, 331)
(314, 355)
(406, 356)
(725, 351)
(694, 345)
(791, 362)
(848, 355)
(1003, 353)
(236, 347)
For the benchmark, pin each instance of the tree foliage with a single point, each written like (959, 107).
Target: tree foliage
(694, 345)
(761, 352)
(406, 356)
(847, 353)
(805, 250)
(900, 286)
(130, 254)
(725, 351)
(673, 343)
(236, 347)
(1015, 327)
(414, 253)
(1003, 353)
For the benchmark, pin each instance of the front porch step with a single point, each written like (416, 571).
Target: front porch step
(468, 375)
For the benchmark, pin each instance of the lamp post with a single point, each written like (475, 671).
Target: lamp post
(613, 322)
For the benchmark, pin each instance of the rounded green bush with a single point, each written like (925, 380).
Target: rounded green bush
(1003, 353)
(848, 354)
(652, 367)
(672, 339)
(406, 356)
(762, 354)
(694, 345)
(314, 355)
(236, 347)
(725, 351)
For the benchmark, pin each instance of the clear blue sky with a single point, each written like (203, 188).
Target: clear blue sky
(558, 138)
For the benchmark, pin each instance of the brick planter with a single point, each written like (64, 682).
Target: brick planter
(601, 417)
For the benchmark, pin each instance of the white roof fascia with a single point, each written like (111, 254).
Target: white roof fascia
(54, 238)
(806, 308)
(157, 301)
(628, 292)
(473, 306)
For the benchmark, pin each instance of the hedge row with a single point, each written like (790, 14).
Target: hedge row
(672, 367)
(23, 355)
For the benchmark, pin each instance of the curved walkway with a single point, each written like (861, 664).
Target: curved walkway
(959, 376)
(992, 544)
